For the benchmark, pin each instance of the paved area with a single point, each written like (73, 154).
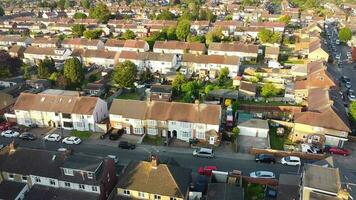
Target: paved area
(247, 142)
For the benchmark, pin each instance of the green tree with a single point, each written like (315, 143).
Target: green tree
(68, 4)
(228, 18)
(275, 38)
(2, 12)
(183, 29)
(100, 12)
(62, 82)
(9, 66)
(125, 74)
(171, 33)
(78, 30)
(54, 76)
(154, 37)
(211, 16)
(235, 133)
(85, 4)
(285, 18)
(267, 36)
(79, 15)
(129, 35)
(269, 90)
(60, 4)
(209, 88)
(352, 111)
(213, 36)
(146, 76)
(345, 34)
(178, 81)
(165, 15)
(73, 71)
(191, 89)
(92, 34)
(45, 68)
(26, 72)
(196, 38)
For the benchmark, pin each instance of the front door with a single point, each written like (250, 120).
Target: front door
(212, 140)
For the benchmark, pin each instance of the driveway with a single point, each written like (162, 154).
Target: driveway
(247, 142)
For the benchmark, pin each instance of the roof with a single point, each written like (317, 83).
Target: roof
(321, 178)
(320, 196)
(255, 123)
(207, 59)
(86, 163)
(135, 44)
(133, 55)
(354, 53)
(272, 51)
(80, 41)
(11, 38)
(10, 189)
(5, 100)
(288, 186)
(40, 50)
(43, 40)
(161, 88)
(114, 43)
(191, 46)
(165, 180)
(174, 111)
(103, 54)
(224, 191)
(16, 49)
(39, 192)
(58, 103)
(237, 47)
(224, 93)
(247, 86)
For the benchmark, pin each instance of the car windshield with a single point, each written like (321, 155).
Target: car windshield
(76, 138)
(258, 173)
(287, 158)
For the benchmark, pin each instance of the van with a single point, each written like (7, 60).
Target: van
(204, 152)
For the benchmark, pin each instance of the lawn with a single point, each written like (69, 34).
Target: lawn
(254, 192)
(153, 140)
(132, 96)
(81, 134)
(263, 103)
(294, 62)
(277, 142)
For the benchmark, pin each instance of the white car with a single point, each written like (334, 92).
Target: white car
(290, 160)
(72, 140)
(53, 137)
(262, 174)
(10, 134)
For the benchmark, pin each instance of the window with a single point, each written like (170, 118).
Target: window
(81, 186)
(141, 194)
(67, 184)
(79, 124)
(94, 188)
(138, 130)
(37, 179)
(11, 176)
(52, 182)
(24, 178)
(65, 115)
(152, 131)
(68, 124)
(157, 197)
(126, 192)
(186, 134)
(200, 135)
(172, 198)
(68, 172)
(90, 175)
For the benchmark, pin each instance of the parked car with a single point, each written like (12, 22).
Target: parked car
(266, 158)
(262, 174)
(6, 125)
(117, 135)
(27, 136)
(351, 96)
(72, 140)
(204, 152)
(339, 151)
(53, 137)
(308, 149)
(126, 145)
(115, 158)
(207, 170)
(291, 160)
(10, 134)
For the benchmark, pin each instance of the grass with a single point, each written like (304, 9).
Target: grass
(153, 140)
(81, 134)
(132, 96)
(254, 192)
(262, 103)
(277, 142)
(294, 62)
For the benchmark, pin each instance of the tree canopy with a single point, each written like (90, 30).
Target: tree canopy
(268, 36)
(78, 30)
(2, 12)
(128, 35)
(85, 4)
(79, 15)
(183, 29)
(125, 74)
(45, 68)
(165, 15)
(285, 18)
(213, 36)
(345, 34)
(178, 81)
(92, 34)
(73, 71)
(269, 90)
(100, 12)
(9, 66)
(352, 110)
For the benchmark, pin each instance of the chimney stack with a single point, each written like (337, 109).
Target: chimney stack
(154, 161)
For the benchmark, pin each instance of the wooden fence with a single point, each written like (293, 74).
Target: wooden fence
(279, 153)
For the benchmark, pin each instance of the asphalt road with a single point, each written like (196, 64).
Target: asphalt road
(140, 153)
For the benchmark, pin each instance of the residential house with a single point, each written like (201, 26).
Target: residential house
(6, 41)
(243, 51)
(199, 27)
(153, 180)
(45, 42)
(33, 54)
(212, 63)
(254, 128)
(13, 190)
(40, 192)
(95, 89)
(247, 90)
(273, 26)
(114, 45)
(177, 47)
(17, 51)
(6, 102)
(81, 43)
(100, 57)
(271, 53)
(317, 51)
(136, 45)
(183, 121)
(59, 108)
(325, 117)
(288, 187)
(228, 27)
(160, 92)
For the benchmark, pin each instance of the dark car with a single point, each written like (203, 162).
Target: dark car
(266, 158)
(117, 135)
(126, 145)
(27, 136)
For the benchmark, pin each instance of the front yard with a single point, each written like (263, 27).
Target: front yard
(153, 140)
(131, 96)
(254, 192)
(81, 134)
(277, 142)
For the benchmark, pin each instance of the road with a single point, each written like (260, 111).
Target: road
(142, 153)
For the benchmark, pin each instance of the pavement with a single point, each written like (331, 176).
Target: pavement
(247, 142)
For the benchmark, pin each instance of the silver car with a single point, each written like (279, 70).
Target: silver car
(262, 174)
(204, 152)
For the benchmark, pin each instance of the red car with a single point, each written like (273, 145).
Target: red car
(6, 125)
(207, 170)
(339, 151)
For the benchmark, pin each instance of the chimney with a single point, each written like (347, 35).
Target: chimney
(154, 161)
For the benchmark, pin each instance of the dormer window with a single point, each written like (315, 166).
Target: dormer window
(90, 175)
(68, 172)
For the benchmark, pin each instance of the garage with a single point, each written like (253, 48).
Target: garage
(254, 128)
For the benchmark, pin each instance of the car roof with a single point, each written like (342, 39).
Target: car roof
(54, 134)
(294, 157)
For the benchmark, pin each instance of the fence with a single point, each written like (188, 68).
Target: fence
(279, 153)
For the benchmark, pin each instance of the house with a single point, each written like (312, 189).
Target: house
(100, 57)
(17, 51)
(59, 108)
(114, 45)
(199, 27)
(81, 43)
(6, 41)
(160, 92)
(177, 47)
(183, 121)
(34, 54)
(317, 51)
(212, 63)
(40, 192)
(39, 84)
(325, 117)
(153, 180)
(217, 191)
(273, 26)
(288, 187)
(95, 89)
(136, 45)
(254, 128)
(228, 26)
(247, 90)
(6, 102)
(45, 42)
(243, 51)
(271, 53)
(13, 190)
(155, 62)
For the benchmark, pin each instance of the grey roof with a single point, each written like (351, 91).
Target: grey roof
(85, 163)
(224, 93)
(10, 189)
(255, 123)
(161, 88)
(38, 192)
(224, 191)
(288, 187)
(322, 178)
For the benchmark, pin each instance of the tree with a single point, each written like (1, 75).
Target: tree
(209, 88)
(45, 68)
(92, 34)
(191, 89)
(224, 73)
(9, 66)
(211, 16)
(78, 30)
(178, 81)
(196, 38)
(85, 4)
(183, 29)
(129, 35)
(267, 36)
(146, 75)
(269, 90)
(60, 4)
(26, 72)
(68, 4)
(79, 15)
(171, 33)
(73, 71)
(62, 82)
(165, 15)
(154, 37)
(352, 110)
(213, 36)
(285, 18)
(100, 12)
(54, 76)
(125, 74)
(345, 34)
(2, 12)
(235, 133)
(275, 38)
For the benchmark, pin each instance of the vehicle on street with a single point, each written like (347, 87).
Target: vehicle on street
(291, 160)
(126, 145)
(262, 174)
(348, 85)
(338, 56)
(306, 148)
(207, 170)
(204, 152)
(53, 137)
(117, 135)
(27, 136)
(72, 140)
(10, 134)
(6, 125)
(339, 151)
(115, 158)
(266, 158)
(351, 96)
